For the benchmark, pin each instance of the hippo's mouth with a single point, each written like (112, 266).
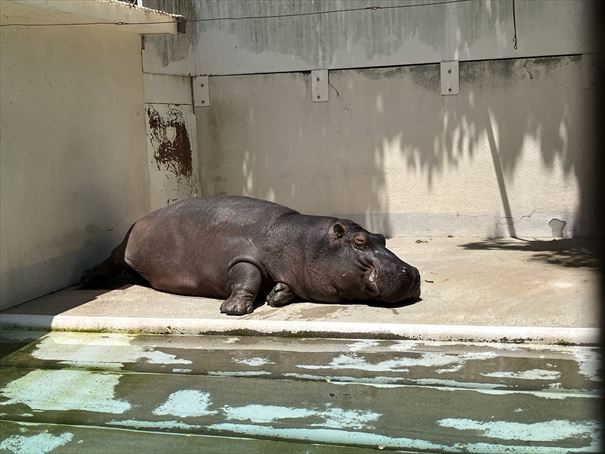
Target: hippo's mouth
(392, 289)
(370, 286)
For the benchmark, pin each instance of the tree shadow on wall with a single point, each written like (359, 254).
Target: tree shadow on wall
(530, 109)
(384, 128)
(568, 252)
(354, 153)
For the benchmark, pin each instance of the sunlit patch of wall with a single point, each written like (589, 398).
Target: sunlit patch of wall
(387, 149)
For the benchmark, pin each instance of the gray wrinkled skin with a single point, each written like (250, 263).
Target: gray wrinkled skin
(237, 248)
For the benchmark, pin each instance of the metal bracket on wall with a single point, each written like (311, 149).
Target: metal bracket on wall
(201, 91)
(181, 25)
(319, 85)
(450, 83)
(589, 66)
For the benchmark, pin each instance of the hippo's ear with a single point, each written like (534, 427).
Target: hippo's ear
(337, 231)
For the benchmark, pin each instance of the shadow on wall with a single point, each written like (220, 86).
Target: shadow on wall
(532, 107)
(389, 150)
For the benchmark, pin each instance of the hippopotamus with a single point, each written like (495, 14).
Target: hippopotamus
(239, 248)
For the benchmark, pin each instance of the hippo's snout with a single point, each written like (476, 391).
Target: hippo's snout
(415, 287)
(400, 284)
(410, 287)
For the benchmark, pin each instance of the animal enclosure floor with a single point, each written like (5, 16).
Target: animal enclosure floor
(509, 284)
(104, 393)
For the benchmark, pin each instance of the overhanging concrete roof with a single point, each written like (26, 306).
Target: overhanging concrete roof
(119, 15)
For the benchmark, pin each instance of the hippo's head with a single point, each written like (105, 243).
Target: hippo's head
(366, 269)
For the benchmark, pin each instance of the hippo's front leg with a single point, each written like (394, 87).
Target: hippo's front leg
(244, 282)
(280, 295)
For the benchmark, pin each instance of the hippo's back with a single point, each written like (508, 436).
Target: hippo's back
(188, 247)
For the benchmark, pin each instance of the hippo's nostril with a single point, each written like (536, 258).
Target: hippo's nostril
(413, 273)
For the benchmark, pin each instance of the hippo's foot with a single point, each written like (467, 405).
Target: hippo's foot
(86, 277)
(280, 295)
(96, 276)
(237, 306)
(245, 282)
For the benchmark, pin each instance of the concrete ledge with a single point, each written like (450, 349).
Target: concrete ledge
(237, 326)
(482, 291)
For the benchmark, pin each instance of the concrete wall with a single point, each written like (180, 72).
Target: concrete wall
(504, 157)
(73, 153)
(171, 139)
(471, 30)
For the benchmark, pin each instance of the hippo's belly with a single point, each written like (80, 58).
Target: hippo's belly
(179, 260)
(188, 248)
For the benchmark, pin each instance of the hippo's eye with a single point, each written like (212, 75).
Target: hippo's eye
(359, 240)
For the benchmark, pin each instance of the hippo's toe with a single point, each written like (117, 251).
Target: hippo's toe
(236, 306)
(280, 295)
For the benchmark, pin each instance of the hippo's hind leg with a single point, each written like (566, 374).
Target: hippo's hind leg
(244, 281)
(280, 295)
(110, 267)
(98, 274)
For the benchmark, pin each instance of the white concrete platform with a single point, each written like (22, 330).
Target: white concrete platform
(472, 290)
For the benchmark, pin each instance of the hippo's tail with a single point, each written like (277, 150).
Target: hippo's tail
(99, 274)
(112, 266)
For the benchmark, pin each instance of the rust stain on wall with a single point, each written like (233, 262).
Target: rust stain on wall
(170, 141)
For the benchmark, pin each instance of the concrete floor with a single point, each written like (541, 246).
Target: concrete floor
(465, 282)
(114, 393)
(132, 391)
